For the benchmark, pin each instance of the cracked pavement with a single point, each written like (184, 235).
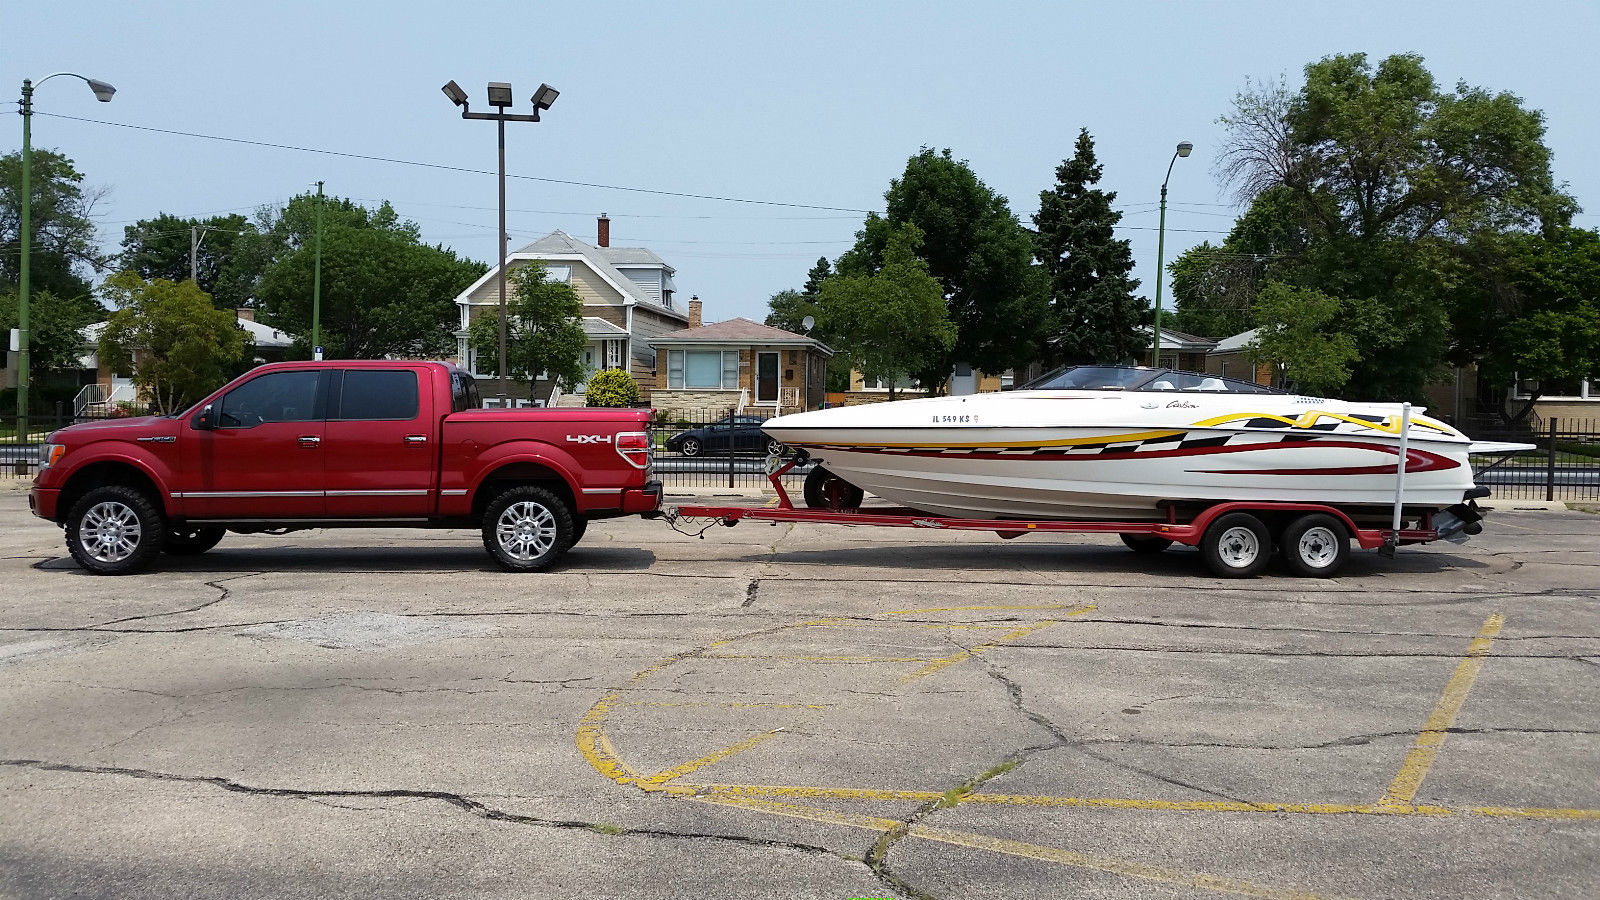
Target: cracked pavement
(799, 712)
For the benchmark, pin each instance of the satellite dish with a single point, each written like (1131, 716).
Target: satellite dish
(808, 323)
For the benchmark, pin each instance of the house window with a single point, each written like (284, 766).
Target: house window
(903, 383)
(709, 369)
(1569, 389)
(559, 274)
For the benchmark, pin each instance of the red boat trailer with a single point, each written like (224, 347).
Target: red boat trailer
(1233, 536)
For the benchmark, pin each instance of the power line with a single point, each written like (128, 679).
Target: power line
(449, 168)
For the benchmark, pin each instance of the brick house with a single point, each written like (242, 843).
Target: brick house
(737, 364)
(627, 295)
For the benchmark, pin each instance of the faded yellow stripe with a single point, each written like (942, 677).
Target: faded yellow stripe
(1111, 865)
(1426, 748)
(678, 771)
(939, 665)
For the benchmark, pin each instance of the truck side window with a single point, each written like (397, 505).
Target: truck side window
(371, 394)
(275, 397)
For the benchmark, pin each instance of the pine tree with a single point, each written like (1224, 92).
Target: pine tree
(1094, 314)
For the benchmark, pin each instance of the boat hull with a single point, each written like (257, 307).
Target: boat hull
(1209, 450)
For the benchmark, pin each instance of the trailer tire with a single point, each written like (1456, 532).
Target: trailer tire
(1236, 545)
(1315, 545)
(526, 528)
(192, 540)
(1145, 544)
(825, 490)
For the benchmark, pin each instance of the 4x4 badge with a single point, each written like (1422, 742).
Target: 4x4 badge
(588, 438)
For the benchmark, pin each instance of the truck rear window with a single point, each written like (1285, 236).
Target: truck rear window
(375, 394)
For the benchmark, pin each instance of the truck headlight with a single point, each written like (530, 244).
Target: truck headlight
(51, 455)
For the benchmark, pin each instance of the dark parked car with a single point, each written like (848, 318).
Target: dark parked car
(746, 433)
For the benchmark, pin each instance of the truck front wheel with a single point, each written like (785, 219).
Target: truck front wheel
(114, 530)
(525, 528)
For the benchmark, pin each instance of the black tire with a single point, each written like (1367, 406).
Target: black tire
(192, 540)
(579, 526)
(1315, 545)
(115, 530)
(526, 528)
(774, 447)
(1143, 544)
(690, 447)
(825, 490)
(1237, 545)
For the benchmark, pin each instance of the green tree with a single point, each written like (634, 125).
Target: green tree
(63, 247)
(160, 248)
(892, 324)
(544, 329)
(180, 347)
(977, 249)
(612, 387)
(1094, 314)
(788, 309)
(1367, 185)
(384, 293)
(1299, 331)
(55, 339)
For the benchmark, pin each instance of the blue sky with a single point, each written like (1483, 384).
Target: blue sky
(816, 105)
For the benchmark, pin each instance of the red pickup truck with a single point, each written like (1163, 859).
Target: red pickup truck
(291, 446)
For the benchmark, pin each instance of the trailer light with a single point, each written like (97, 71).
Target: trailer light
(634, 446)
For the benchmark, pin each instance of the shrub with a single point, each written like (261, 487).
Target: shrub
(612, 387)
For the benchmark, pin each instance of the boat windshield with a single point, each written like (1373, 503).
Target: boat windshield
(1126, 378)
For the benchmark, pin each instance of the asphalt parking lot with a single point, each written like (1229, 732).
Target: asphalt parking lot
(798, 712)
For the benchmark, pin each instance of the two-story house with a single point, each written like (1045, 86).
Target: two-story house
(628, 301)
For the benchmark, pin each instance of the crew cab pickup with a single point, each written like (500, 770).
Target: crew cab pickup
(300, 445)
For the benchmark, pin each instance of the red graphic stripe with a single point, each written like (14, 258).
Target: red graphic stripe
(1416, 460)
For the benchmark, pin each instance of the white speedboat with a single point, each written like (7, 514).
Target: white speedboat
(1126, 444)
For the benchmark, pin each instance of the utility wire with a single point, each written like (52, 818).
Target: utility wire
(449, 168)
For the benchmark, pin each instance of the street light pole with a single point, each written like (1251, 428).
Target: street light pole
(1184, 147)
(102, 92)
(500, 98)
(316, 287)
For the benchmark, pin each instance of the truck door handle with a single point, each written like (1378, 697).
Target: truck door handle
(416, 439)
(309, 440)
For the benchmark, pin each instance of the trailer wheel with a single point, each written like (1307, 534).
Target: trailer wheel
(1144, 544)
(192, 540)
(1315, 546)
(1237, 545)
(526, 528)
(825, 490)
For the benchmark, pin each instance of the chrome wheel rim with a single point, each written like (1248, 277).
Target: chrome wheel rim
(1318, 547)
(774, 448)
(691, 448)
(526, 530)
(1239, 547)
(110, 531)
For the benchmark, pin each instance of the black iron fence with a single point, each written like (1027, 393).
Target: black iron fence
(1564, 463)
(713, 449)
(19, 449)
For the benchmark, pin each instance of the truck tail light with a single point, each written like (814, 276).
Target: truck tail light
(634, 446)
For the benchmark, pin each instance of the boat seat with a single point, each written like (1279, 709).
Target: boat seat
(1213, 384)
(1162, 386)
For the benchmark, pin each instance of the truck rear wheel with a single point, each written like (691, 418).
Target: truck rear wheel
(115, 530)
(192, 540)
(1315, 545)
(526, 528)
(1237, 545)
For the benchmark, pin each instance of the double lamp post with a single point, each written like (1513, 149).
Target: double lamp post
(102, 92)
(500, 98)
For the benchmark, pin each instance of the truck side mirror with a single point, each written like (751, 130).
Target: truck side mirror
(206, 421)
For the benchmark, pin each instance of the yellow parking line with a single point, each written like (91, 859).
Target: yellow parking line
(1527, 812)
(1415, 768)
(678, 771)
(1111, 865)
(939, 665)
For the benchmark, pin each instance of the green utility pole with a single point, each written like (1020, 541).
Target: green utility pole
(316, 286)
(22, 274)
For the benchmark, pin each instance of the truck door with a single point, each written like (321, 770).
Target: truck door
(381, 449)
(264, 457)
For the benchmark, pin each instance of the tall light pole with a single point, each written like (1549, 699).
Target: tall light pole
(1184, 147)
(316, 287)
(500, 98)
(102, 92)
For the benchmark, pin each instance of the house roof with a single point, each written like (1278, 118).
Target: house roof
(264, 335)
(1236, 342)
(741, 331)
(594, 326)
(1178, 340)
(560, 246)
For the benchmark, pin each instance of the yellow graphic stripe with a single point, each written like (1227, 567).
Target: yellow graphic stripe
(1005, 445)
(1420, 759)
(1108, 864)
(1310, 417)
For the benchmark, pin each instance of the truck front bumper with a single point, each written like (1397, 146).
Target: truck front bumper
(43, 501)
(642, 500)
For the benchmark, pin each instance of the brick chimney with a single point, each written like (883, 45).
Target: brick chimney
(694, 312)
(605, 230)
(245, 314)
